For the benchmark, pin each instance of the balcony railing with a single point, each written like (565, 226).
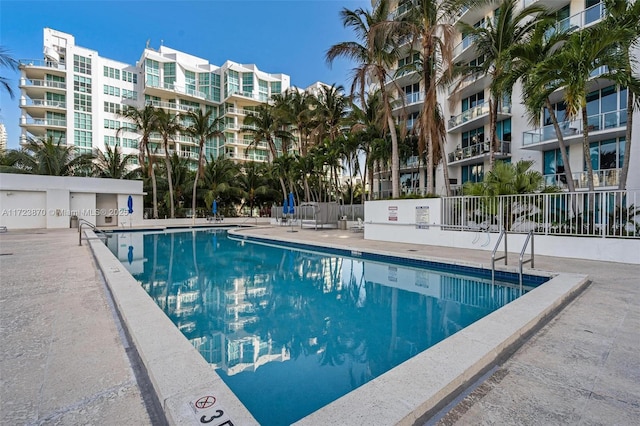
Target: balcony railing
(463, 82)
(42, 63)
(43, 83)
(475, 112)
(581, 19)
(43, 103)
(43, 122)
(463, 45)
(241, 111)
(595, 123)
(178, 89)
(171, 105)
(601, 179)
(478, 149)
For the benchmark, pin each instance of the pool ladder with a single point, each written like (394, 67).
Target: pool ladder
(521, 261)
(99, 233)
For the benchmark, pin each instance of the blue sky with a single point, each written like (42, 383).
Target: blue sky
(279, 36)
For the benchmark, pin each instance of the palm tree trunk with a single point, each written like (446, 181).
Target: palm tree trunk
(586, 149)
(167, 163)
(563, 150)
(154, 186)
(395, 159)
(430, 185)
(445, 168)
(493, 119)
(195, 184)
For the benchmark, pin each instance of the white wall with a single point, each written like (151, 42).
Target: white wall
(379, 227)
(32, 201)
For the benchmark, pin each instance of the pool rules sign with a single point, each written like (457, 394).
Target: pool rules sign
(207, 410)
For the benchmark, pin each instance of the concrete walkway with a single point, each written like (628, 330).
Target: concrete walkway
(63, 359)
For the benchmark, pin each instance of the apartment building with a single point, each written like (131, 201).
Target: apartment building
(3, 138)
(466, 106)
(76, 96)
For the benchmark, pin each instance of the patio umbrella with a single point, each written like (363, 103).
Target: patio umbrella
(214, 207)
(285, 208)
(130, 204)
(130, 255)
(292, 209)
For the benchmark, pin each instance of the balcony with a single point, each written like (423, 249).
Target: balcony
(466, 86)
(600, 126)
(470, 154)
(463, 52)
(37, 88)
(581, 20)
(171, 106)
(240, 111)
(476, 117)
(550, 4)
(173, 88)
(38, 68)
(408, 101)
(42, 104)
(609, 178)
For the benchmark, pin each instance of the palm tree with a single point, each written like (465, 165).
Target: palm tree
(46, 157)
(203, 126)
(7, 61)
(572, 66)
(374, 54)
(297, 107)
(265, 125)
(220, 180)
(255, 185)
(495, 41)
(427, 24)
(623, 13)
(144, 122)
(538, 48)
(168, 125)
(113, 164)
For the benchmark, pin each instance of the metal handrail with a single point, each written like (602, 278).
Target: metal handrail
(531, 259)
(99, 232)
(503, 233)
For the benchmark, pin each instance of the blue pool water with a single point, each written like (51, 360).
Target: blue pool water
(292, 330)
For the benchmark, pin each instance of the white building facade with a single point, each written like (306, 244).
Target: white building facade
(76, 96)
(466, 106)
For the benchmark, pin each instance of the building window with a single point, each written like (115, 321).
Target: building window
(152, 71)
(473, 173)
(607, 154)
(129, 94)
(111, 124)
(112, 107)
(129, 143)
(82, 138)
(247, 82)
(82, 102)
(81, 64)
(473, 101)
(473, 138)
(82, 120)
(81, 84)
(190, 82)
(110, 90)
(553, 169)
(111, 72)
(169, 74)
(503, 130)
(263, 90)
(276, 87)
(233, 83)
(111, 140)
(131, 77)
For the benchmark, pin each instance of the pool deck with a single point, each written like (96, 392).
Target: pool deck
(65, 361)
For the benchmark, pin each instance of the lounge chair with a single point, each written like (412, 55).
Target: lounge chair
(358, 227)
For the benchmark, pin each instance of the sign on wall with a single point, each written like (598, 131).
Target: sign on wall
(393, 213)
(422, 217)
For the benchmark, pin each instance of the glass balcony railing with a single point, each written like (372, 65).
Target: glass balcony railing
(601, 179)
(581, 19)
(43, 122)
(42, 103)
(178, 89)
(476, 112)
(595, 123)
(463, 45)
(43, 83)
(43, 63)
(478, 149)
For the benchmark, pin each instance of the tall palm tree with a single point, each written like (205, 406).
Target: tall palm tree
(541, 45)
(428, 27)
(374, 54)
(584, 52)
(168, 125)
(297, 107)
(496, 41)
(112, 163)
(144, 122)
(48, 157)
(220, 180)
(265, 125)
(6, 61)
(203, 126)
(255, 185)
(625, 13)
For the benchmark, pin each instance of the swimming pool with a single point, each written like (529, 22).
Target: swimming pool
(291, 330)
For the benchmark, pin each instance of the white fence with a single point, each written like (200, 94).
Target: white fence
(595, 214)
